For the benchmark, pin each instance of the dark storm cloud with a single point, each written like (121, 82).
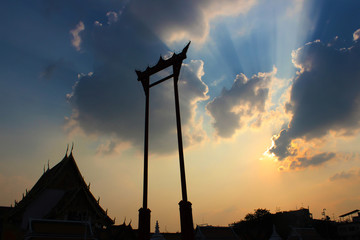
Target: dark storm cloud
(111, 101)
(246, 98)
(325, 95)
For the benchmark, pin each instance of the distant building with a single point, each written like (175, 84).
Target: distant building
(298, 218)
(290, 225)
(349, 229)
(60, 205)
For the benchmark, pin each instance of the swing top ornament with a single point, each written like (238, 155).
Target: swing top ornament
(174, 60)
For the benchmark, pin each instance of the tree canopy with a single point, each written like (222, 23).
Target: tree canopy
(258, 214)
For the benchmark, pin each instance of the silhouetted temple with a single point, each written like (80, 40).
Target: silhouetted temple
(60, 205)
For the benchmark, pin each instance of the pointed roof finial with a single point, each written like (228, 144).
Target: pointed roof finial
(186, 48)
(67, 149)
(48, 165)
(72, 147)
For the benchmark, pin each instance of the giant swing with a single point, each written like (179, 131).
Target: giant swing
(186, 219)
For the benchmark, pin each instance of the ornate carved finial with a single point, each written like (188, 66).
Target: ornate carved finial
(160, 60)
(186, 48)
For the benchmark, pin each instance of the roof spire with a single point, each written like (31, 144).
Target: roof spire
(72, 147)
(157, 231)
(67, 148)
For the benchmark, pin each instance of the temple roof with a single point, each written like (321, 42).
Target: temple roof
(349, 213)
(56, 189)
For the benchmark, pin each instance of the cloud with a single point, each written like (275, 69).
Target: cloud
(112, 17)
(325, 96)
(48, 71)
(345, 175)
(174, 20)
(111, 102)
(356, 35)
(75, 33)
(54, 68)
(244, 100)
(316, 160)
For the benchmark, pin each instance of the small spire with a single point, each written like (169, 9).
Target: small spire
(124, 221)
(67, 149)
(157, 231)
(48, 165)
(72, 147)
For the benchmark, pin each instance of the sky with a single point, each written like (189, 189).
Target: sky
(269, 101)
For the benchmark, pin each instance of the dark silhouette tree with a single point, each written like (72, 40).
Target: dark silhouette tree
(258, 215)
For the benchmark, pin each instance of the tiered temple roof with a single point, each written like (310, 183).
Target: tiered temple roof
(61, 193)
